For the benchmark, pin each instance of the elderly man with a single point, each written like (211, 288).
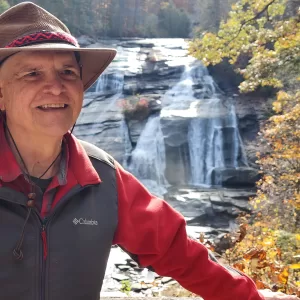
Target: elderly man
(63, 202)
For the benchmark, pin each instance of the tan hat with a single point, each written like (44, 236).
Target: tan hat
(28, 27)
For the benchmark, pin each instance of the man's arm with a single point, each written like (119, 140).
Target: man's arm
(155, 234)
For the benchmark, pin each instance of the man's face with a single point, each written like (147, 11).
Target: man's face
(41, 92)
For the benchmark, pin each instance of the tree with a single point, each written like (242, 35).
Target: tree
(267, 34)
(207, 14)
(3, 6)
(172, 21)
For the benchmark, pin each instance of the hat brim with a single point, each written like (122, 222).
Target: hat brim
(94, 60)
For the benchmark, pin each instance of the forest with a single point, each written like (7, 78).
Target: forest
(135, 18)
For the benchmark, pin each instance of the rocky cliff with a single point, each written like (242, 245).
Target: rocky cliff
(153, 70)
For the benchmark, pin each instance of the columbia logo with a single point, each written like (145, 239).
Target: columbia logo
(82, 221)
(75, 221)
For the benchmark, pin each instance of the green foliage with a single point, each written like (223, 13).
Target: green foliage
(258, 30)
(126, 286)
(172, 21)
(3, 6)
(115, 18)
(263, 32)
(135, 108)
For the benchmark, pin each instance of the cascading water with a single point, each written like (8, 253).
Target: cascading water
(148, 159)
(110, 83)
(127, 144)
(205, 144)
(213, 136)
(183, 93)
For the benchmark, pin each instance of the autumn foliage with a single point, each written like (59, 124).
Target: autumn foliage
(134, 108)
(267, 247)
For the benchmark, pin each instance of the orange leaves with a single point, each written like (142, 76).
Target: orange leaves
(255, 253)
(201, 238)
(260, 285)
(266, 256)
(208, 244)
(284, 275)
(260, 249)
(239, 266)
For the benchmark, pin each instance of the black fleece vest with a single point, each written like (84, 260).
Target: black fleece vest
(79, 231)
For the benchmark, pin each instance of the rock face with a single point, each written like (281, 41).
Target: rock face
(155, 69)
(236, 177)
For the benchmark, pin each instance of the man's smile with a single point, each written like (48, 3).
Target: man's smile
(53, 106)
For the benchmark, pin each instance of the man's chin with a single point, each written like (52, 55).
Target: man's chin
(56, 131)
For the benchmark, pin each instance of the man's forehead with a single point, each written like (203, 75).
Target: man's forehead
(22, 59)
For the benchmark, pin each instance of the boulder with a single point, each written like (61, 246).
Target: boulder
(236, 177)
(85, 40)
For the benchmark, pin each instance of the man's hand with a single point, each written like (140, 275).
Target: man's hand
(269, 295)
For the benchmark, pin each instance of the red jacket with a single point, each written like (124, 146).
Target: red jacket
(148, 227)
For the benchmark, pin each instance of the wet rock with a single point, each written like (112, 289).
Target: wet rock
(215, 199)
(237, 177)
(132, 263)
(123, 268)
(155, 292)
(136, 287)
(165, 280)
(85, 40)
(120, 277)
(172, 282)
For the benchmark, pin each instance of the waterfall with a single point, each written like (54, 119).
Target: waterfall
(110, 83)
(148, 159)
(127, 144)
(205, 140)
(214, 141)
(213, 135)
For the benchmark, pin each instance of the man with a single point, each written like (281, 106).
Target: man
(64, 202)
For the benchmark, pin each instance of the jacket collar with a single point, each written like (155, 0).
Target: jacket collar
(77, 161)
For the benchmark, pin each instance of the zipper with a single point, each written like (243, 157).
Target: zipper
(44, 226)
(44, 256)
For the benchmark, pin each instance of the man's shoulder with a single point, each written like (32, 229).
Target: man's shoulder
(97, 153)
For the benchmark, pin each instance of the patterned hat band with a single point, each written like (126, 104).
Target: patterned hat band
(43, 37)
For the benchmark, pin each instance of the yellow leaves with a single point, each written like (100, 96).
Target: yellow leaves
(273, 50)
(295, 266)
(283, 96)
(268, 241)
(268, 179)
(284, 275)
(277, 107)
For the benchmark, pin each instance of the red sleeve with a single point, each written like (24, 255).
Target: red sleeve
(155, 233)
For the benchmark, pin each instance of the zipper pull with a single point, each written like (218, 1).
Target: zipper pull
(44, 239)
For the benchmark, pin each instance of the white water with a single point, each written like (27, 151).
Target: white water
(110, 83)
(148, 159)
(127, 144)
(205, 144)
(213, 124)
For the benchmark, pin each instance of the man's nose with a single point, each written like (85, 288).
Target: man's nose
(54, 84)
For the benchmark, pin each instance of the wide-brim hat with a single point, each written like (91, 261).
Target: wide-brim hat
(28, 27)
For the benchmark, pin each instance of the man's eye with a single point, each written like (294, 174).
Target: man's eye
(69, 72)
(32, 74)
